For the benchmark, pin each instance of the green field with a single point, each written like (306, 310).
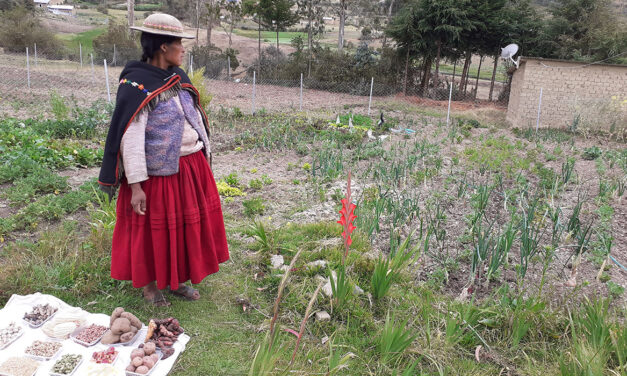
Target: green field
(485, 74)
(85, 39)
(285, 37)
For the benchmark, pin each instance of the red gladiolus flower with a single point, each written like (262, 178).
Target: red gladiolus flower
(347, 217)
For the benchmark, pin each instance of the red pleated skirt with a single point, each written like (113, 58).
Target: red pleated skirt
(182, 235)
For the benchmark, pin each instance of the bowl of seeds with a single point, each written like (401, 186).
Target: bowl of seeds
(19, 366)
(39, 315)
(43, 350)
(66, 365)
(9, 334)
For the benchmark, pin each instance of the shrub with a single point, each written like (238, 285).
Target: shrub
(20, 28)
(116, 38)
(102, 8)
(211, 59)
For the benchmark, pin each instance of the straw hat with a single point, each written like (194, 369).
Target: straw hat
(163, 24)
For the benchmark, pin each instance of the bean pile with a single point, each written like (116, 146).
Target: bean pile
(39, 314)
(8, 333)
(43, 349)
(19, 366)
(91, 334)
(66, 364)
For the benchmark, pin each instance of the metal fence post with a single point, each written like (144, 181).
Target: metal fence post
(27, 68)
(300, 108)
(36, 54)
(448, 112)
(191, 64)
(539, 108)
(113, 62)
(254, 88)
(228, 67)
(370, 100)
(107, 80)
(80, 53)
(93, 71)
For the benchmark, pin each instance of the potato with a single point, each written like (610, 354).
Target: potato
(110, 338)
(137, 361)
(148, 362)
(121, 325)
(149, 348)
(130, 368)
(135, 322)
(137, 353)
(115, 315)
(127, 337)
(142, 370)
(154, 357)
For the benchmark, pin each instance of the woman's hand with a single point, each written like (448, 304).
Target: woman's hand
(138, 199)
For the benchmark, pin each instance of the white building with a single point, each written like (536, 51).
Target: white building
(64, 10)
(41, 3)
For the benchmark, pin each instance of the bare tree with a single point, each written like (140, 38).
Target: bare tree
(232, 15)
(130, 5)
(213, 17)
(314, 12)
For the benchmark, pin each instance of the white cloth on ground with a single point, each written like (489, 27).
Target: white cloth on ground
(18, 305)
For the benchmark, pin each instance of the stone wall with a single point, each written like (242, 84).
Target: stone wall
(593, 96)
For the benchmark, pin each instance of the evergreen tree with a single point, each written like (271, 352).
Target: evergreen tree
(277, 15)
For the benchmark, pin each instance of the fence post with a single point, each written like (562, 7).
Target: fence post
(539, 108)
(448, 112)
(191, 64)
(27, 68)
(370, 100)
(80, 53)
(107, 80)
(254, 88)
(113, 62)
(228, 67)
(93, 72)
(300, 108)
(36, 54)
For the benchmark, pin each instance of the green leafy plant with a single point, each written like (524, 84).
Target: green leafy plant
(58, 106)
(254, 206)
(531, 231)
(258, 231)
(337, 362)
(268, 352)
(394, 339)
(232, 179)
(255, 184)
(388, 270)
(591, 153)
(226, 190)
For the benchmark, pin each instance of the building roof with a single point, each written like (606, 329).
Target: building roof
(582, 63)
(61, 7)
(42, 1)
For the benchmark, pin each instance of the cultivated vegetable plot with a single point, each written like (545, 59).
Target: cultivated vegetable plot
(466, 248)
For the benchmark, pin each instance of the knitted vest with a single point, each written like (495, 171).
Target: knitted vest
(164, 133)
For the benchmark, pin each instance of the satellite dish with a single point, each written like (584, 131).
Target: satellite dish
(509, 51)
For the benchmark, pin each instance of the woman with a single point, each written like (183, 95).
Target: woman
(169, 227)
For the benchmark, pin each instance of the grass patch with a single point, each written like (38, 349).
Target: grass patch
(285, 37)
(84, 38)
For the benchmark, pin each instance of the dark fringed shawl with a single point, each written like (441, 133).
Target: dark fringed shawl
(161, 85)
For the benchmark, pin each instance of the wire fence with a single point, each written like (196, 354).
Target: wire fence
(28, 79)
